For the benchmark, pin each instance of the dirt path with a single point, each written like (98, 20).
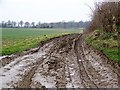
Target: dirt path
(63, 62)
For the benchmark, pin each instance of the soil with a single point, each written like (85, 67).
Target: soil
(62, 62)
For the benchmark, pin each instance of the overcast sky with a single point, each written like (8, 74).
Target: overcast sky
(45, 10)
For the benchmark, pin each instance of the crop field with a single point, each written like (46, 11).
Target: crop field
(15, 40)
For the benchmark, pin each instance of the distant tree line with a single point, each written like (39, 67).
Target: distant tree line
(22, 24)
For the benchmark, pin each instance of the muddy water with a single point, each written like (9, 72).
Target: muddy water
(64, 62)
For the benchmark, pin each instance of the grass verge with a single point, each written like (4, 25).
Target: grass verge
(105, 42)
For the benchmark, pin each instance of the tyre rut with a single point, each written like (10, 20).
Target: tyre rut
(81, 59)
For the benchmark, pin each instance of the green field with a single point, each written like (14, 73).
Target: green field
(15, 40)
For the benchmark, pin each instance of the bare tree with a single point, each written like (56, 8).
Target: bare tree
(9, 24)
(33, 24)
(27, 24)
(14, 24)
(21, 23)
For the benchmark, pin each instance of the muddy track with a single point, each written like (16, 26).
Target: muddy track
(62, 62)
